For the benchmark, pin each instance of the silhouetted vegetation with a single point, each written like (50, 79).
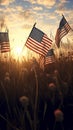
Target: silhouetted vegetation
(33, 99)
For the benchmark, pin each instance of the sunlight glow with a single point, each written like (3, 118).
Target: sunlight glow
(18, 50)
(17, 44)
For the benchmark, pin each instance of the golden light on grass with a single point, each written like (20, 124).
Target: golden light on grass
(18, 50)
(17, 53)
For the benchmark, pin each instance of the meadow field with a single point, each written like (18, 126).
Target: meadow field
(33, 99)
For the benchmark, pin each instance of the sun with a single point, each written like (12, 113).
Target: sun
(18, 50)
(19, 53)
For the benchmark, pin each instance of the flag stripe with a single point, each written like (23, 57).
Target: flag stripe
(5, 47)
(63, 29)
(35, 50)
(49, 60)
(38, 42)
(33, 46)
(37, 47)
(32, 43)
(50, 57)
(4, 42)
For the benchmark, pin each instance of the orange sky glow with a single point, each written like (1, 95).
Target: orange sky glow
(19, 17)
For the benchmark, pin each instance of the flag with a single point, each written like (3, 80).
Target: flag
(38, 41)
(50, 57)
(4, 42)
(63, 29)
(42, 62)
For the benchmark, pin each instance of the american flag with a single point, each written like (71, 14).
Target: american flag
(50, 57)
(63, 29)
(38, 41)
(42, 62)
(4, 42)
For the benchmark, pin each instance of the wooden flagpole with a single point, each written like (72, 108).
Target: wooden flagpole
(36, 100)
(27, 38)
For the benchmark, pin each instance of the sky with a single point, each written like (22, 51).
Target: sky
(19, 17)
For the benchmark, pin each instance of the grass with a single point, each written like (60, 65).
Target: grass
(34, 85)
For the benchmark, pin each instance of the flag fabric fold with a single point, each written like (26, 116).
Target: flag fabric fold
(50, 57)
(4, 42)
(63, 29)
(38, 41)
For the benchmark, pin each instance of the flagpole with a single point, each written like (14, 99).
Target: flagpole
(30, 32)
(9, 56)
(36, 101)
(62, 15)
(27, 38)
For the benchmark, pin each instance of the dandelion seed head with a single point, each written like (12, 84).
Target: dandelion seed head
(24, 100)
(7, 77)
(51, 86)
(59, 116)
(24, 70)
(7, 74)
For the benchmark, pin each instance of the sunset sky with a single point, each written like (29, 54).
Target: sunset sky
(20, 15)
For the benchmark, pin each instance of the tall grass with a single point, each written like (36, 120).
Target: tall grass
(34, 86)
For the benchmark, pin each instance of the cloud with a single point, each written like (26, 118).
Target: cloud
(16, 17)
(63, 1)
(37, 8)
(27, 26)
(47, 3)
(19, 8)
(6, 2)
(60, 7)
(26, 14)
(2, 23)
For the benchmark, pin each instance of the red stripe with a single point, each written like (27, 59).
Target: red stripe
(33, 44)
(40, 48)
(35, 49)
(61, 33)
